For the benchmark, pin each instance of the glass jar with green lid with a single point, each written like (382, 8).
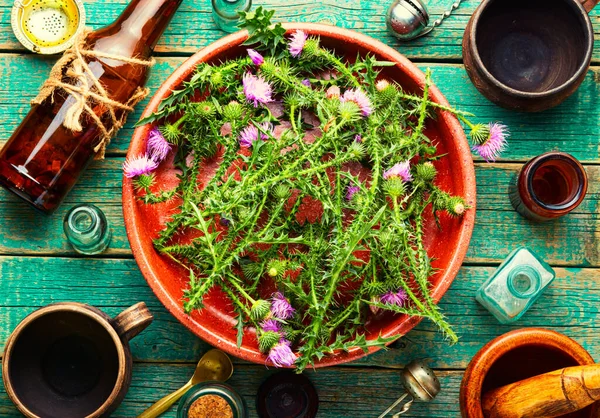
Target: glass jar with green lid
(212, 399)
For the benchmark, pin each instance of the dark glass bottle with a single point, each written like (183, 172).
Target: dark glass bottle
(287, 394)
(42, 160)
(548, 186)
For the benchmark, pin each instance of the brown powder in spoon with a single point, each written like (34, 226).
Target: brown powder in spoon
(210, 406)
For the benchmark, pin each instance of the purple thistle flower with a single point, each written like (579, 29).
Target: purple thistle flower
(251, 133)
(306, 82)
(351, 191)
(281, 355)
(256, 89)
(136, 166)
(360, 98)
(495, 144)
(256, 58)
(297, 43)
(281, 307)
(157, 146)
(401, 170)
(398, 298)
(358, 138)
(271, 325)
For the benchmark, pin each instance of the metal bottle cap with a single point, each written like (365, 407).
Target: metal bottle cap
(47, 26)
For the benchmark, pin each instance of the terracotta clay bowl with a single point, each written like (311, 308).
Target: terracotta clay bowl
(515, 356)
(215, 323)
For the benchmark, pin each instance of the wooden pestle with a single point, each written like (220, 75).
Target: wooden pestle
(548, 395)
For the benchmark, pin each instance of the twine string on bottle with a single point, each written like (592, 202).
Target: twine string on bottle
(72, 74)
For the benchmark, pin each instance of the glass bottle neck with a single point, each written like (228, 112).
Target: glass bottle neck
(136, 31)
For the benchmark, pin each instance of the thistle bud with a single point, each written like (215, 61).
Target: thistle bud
(386, 92)
(382, 85)
(171, 133)
(267, 340)
(349, 111)
(455, 206)
(333, 92)
(426, 172)
(233, 111)
(479, 134)
(144, 181)
(282, 191)
(216, 79)
(395, 187)
(356, 151)
(260, 309)
(204, 110)
(311, 48)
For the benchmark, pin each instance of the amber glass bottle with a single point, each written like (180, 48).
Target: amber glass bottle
(42, 160)
(549, 186)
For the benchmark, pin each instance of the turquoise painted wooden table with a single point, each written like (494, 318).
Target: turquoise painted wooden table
(37, 267)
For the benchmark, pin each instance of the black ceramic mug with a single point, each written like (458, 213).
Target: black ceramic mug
(71, 360)
(529, 55)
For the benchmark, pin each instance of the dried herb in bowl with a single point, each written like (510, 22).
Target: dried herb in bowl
(311, 219)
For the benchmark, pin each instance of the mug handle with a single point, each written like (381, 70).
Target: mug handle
(132, 321)
(588, 5)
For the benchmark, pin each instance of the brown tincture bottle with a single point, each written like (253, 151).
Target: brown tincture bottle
(42, 160)
(548, 186)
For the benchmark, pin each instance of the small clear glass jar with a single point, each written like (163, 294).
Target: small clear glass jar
(87, 229)
(225, 13)
(515, 286)
(220, 389)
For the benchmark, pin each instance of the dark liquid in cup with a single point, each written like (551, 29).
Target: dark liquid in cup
(555, 183)
(64, 364)
(72, 365)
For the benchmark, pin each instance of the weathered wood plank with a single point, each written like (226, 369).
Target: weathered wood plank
(343, 393)
(193, 27)
(27, 232)
(570, 306)
(569, 127)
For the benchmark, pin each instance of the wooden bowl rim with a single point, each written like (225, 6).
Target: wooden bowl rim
(583, 68)
(79, 308)
(486, 357)
(465, 164)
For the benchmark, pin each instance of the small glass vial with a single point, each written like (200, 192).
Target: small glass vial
(219, 398)
(87, 229)
(287, 394)
(548, 186)
(515, 286)
(225, 13)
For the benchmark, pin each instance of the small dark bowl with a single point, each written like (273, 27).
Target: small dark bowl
(528, 56)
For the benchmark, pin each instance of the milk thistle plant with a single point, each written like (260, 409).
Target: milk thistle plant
(313, 221)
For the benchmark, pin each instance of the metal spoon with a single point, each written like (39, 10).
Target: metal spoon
(214, 365)
(420, 383)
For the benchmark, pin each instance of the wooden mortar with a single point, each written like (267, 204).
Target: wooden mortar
(515, 356)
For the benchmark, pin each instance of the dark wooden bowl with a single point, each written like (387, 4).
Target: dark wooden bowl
(216, 322)
(515, 356)
(71, 360)
(528, 56)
